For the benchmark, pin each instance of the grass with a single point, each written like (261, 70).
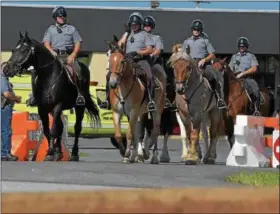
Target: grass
(82, 154)
(258, 179)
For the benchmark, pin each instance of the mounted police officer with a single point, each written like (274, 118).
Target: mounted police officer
(202, 50)
(64, 41)
(149, 25)
(245, 64)
(139, 44)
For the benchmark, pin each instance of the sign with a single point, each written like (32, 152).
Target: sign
(276, 149)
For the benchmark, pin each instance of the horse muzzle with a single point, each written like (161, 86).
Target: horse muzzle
(113, 84)
(180, 88)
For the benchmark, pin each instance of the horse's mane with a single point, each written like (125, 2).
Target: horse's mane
(178, 55)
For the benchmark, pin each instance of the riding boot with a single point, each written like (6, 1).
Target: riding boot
(80, 100)
(151, 93)
(221, 104)
(167, 102)
(106, 104)
(257, 105)
(31, 100)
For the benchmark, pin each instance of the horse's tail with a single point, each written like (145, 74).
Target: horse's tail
(92, 110)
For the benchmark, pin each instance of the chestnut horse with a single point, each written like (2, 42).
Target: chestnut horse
(128, 96)
(197, 103)
(237, 98)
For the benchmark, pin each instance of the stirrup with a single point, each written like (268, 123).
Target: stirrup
(256, 113)
(151, 106)
(105, 105)
(221, 104)
(80, 101)
(167, 103)
(30, 102)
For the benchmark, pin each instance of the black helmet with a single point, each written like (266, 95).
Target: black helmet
(197, 24)
(242, 42)
(59, 12)
(135, 18)
(150, 21)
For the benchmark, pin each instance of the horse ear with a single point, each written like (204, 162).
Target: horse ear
(109, 44)
(224, 59)
(122, 46)
(116, 38)
(20, 35)
(26, 34)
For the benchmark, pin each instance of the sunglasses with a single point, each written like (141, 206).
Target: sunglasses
(195, 29)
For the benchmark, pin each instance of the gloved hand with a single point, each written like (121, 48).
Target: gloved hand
(133, 54)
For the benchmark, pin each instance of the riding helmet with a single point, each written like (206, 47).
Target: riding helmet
(197, 24)
(150, 21)
(242, 42)
(135, 18)
(59, 12)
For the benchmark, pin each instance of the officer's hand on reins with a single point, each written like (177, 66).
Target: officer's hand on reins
(53, 53)
(201, 63)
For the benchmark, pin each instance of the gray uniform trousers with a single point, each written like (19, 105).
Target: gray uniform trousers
(146, 66)
(211, 74)
(252, 87)
(158, 68)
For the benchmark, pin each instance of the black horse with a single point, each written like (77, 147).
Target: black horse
(53, 92)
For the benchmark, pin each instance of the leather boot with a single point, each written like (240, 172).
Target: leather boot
(151, 92)
(106, 104)
(257, 101)
(31, 101)
(221, 104)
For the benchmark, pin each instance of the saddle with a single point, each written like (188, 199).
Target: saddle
(71, 73)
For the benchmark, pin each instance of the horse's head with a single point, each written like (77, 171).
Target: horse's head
(118, 64)
(182, 67)
(21, 57)
(221, 65)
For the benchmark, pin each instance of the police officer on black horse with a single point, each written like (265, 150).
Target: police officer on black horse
(244, 64)
(202, 50)
(139, 45)
(63, 41)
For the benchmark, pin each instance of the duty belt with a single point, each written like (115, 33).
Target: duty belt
(62, 52)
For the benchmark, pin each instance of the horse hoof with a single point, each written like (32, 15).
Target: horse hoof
(74, 158)
(209, 161)
(125, 160)
(146, 155)
(164, 159)
(140, 159)
(58, 156)
(190, 162)
(154, 160)
(49, 158)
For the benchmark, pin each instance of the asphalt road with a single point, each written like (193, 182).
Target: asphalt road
(101, 167)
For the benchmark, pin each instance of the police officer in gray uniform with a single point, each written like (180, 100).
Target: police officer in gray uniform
(202, 50)
(156, 59)
(139, 45)
(244, 64)
(64, 41)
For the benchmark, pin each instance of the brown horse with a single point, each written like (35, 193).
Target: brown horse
(128, 96)
(196, 103)
(237, 98)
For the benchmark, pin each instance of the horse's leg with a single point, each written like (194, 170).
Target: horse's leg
(45, 123)
(165, 158)
(155, 134)
(183, 132)
(141, 135)
(79, 110)
(118, 134)
(214, 134)
(130, 136)
(192, 156)
(204, 146)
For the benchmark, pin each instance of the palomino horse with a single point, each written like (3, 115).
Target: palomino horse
(237, 98)
(197, 103)
(128, 96)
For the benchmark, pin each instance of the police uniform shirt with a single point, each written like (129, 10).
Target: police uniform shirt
(138, 41)
(158, 42)
(64, 40)
(200, 47)
(243, 61)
